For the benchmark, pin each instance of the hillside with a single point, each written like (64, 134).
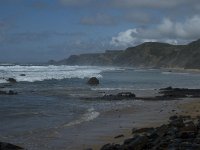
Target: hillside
(150, 54)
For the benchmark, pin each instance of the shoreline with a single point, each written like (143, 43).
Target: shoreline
(182, 107)
(111, 125)
(107, 126)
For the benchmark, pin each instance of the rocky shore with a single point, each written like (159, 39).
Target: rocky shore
(181, 133)
(168, 93)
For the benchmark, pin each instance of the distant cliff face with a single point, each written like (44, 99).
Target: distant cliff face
(150, 54)
(96, 59)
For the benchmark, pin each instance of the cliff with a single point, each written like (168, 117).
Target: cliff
(150, 54)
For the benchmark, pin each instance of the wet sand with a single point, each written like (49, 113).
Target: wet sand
(110, 124)
(190, 107)
(103, 129)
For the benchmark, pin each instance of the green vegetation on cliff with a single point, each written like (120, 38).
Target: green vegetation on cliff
(150, 54)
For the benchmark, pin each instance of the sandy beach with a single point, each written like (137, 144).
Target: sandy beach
(115, 123)
(69, 114)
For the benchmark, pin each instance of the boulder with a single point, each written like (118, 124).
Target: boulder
(11, 80)
(138, 143)
(177, 123)
(93, 81)
(189, 127)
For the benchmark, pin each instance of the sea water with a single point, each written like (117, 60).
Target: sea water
(50, 97)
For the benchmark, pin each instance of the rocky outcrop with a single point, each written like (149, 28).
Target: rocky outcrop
(93, 81)
(180, 92)
(182, 133)
(11, 80)
(113, 97)
(168, 93)
(119, 96)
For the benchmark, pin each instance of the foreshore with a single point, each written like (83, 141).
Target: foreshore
(155, 116)
(114, 126)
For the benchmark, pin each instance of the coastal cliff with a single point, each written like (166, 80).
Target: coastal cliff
(149, 54)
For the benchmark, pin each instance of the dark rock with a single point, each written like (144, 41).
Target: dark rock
(8, 146)
(142, 130)
(197, 140)
(22, 75)
(93, 81)
(126, 95)
(189, 127)
(111, 147)
(179, 92)
(3, 93)
(172, 131)
(11, 80)
(186, 135)
(119, 136)
(162, 130)
(173, 117)
(180, 134)
(119, 96)
(128, 141)
(138, 143)
(10, 92)
(167, 88)
(177, 123)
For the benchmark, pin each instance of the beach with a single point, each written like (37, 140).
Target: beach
(120, 123)
(55, 108)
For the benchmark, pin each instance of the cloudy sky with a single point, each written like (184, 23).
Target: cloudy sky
(39, 30)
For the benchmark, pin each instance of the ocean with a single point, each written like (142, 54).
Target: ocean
(50, 99)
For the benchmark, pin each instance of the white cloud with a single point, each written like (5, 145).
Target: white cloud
(167, 31)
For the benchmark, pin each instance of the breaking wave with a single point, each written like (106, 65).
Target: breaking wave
(88, 116)
(40, 73)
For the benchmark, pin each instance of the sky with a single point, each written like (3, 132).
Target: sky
(40, 30)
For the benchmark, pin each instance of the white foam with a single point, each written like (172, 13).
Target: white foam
(88, 116)
(40, 73)
(140, 70)
(175, 73)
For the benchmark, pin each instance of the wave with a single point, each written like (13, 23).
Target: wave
(40, 73)
(175, 73)
(91, 114)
